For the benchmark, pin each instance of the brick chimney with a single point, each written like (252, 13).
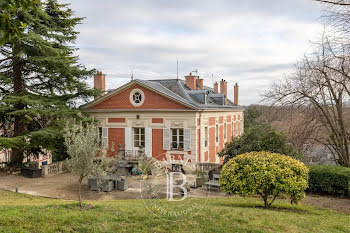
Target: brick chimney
(199, 82)
(191, 81)
(235, 97)
(100, 81)
(216, 87)
(223, 88)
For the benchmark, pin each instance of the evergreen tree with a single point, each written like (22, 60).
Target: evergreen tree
(259, 137)
(41, 81)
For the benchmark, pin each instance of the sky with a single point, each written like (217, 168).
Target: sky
(252, 42)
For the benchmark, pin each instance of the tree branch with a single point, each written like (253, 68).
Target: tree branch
(339, 3)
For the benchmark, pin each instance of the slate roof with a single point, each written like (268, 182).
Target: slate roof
(178, 90)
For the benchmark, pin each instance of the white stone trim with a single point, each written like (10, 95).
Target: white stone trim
(132, 100)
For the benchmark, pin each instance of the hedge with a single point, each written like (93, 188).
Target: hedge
(333, 180)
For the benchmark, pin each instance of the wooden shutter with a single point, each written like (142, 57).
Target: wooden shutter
(128, 138)
(187, 139)
(148, 142)
(166, 139)
(105, 136)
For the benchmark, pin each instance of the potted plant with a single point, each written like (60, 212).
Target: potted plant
(145, 169)
(199, 179)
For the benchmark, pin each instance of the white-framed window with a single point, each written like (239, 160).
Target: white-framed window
(217, 133)
(139, 137)
(225, 131)
(177, 139)
(206, 136)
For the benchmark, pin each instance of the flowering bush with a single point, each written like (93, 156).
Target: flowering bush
(267, 174)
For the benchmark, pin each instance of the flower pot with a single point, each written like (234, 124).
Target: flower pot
(199, 182)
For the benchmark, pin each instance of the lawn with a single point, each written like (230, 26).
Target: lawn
(23, 213)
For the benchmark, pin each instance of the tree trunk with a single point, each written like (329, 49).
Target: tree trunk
(80, 202)
(18, 127)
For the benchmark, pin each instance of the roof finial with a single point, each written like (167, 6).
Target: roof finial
(132, 75)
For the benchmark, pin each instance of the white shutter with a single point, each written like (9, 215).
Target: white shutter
(105, 136)
(148, 142)
(187, 139)
(166, 139)
(128, 139)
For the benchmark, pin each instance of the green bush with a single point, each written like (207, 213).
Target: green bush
(267, 174)
(330, 180)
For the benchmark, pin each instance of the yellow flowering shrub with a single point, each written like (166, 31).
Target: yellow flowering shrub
(267, 174)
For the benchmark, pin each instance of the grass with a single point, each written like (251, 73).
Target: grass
(23, 213)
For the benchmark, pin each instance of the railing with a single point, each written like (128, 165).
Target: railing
(206, 167)
(130, 155)
(53, 169)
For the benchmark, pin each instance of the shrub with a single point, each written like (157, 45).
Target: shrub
(330, 179)
(267, 174)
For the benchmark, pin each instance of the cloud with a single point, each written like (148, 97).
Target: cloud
(250, 42)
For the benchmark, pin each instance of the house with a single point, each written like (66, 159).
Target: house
(173, 119)
(6, 153)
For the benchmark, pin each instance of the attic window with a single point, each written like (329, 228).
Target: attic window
(137, 97)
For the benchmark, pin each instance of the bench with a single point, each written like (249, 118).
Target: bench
(214, 182)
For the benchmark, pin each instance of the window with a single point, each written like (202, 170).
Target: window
(100, 135)
(103, 135)
(137, 97)
(139, 137)
(217, 133)
(177, 139)
(225, 131)
(206, 136)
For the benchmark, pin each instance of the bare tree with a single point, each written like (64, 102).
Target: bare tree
(337, 2)
(321, 85)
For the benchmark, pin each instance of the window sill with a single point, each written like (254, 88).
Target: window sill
(176, 151)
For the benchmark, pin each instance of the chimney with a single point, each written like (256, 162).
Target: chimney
(216, 87)
(100, 81)
(199, 82)
(235, 97)
(223, 88)
(191, 81)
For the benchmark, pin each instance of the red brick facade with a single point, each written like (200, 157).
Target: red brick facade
(152, 101)
(157, 144)
(115, 137)
(157, 120)
(116, 120)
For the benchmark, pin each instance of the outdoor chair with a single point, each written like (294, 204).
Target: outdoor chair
(214, 182)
